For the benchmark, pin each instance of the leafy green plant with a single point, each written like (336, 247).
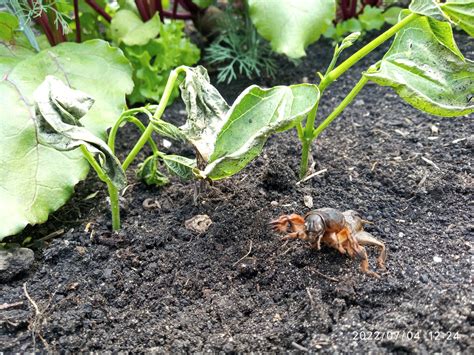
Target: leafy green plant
(153, 46)
(239, 49)
(152, 57)
(369, 18)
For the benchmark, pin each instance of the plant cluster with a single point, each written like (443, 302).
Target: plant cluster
(43, 142)
(238, 49)
(151, 36)
(361, 16)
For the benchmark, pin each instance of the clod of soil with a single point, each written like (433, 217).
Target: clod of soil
(157, 286)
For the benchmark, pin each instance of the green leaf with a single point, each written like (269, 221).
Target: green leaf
(461, 13)
(36, 179)
(392, 14)
(179, 166)
(291, 26)
(346, 43)
(8, 24)
(206, 110)
(127, 27)
(166, 129)
(255, 115)
(428, 8)
(154, 61)
(149, 173)
(58, 109)
(372, 18)
(427, 70)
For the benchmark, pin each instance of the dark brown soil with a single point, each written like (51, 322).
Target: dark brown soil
(157, 286)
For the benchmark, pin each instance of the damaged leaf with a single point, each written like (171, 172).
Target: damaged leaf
(206, 110)
(228, 139)
(166, 129)
(58, 109)
(255, 115)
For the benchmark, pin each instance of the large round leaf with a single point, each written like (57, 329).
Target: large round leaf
(36, 179)
(290, 26)
(426, 69)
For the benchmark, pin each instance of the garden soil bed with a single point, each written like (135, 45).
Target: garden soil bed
(157, 286)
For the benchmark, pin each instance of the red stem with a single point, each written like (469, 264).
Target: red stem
(159, 7)
(58, 29)
(175, 8)
(168, 14)
(353, 8)
(188, 5)
(153, 7)
(344, 8)
(99, 10)
(142, 7)
(77, 20)
(42, 20)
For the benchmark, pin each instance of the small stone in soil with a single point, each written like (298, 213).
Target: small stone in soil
(14, 262)
(199, 223)
(248, 267)
(437, 259)
(308, 201)
(424, 278)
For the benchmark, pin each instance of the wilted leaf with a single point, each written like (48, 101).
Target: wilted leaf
(291, 26)
(426, 69)
(255, 115)
(179, 166)
(206, 110)
(127, 27)
(58, 109)
(36, 179)
(166, 129)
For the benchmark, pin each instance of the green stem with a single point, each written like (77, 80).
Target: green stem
(113, 192)
(306, 139)
(347, 100)
(306, 147)
(128, 116)
(353, 59)
(158, 113)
